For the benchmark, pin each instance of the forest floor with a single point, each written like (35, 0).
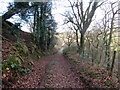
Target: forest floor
(51, 72)
(56, 71)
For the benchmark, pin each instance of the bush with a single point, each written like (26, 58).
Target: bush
(15, 65)
(71, 48)
(13, 59)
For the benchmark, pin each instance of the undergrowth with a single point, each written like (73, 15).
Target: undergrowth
(89, 72)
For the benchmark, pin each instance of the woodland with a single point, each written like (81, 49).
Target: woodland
(81, 57)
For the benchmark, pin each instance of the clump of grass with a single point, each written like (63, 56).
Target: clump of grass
(108, 83)
(93, 75)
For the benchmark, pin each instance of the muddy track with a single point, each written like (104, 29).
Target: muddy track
(51, 72)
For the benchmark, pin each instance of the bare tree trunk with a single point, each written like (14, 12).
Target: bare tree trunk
(100, 58)
(81, 43)
(77, 41)
(34, 27)
(109, 42)
(113, 61)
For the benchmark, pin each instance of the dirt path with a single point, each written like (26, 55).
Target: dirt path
(59, 74)
(51, 72)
